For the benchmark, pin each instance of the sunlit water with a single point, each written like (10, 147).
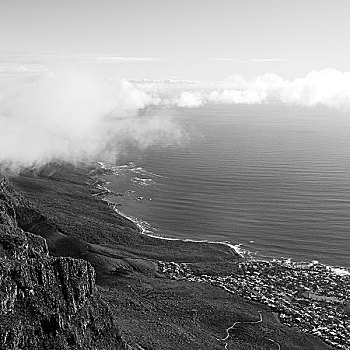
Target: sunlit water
(275, 179)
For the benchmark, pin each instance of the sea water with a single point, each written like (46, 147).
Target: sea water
(275, 179)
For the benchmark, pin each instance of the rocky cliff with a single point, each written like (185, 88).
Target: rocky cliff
(46, 302)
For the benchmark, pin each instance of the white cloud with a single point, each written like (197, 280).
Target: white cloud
(235, 97)
(262, 60)
(189, 99)
(224, 59)
(75, 116)
(129, 59)
(328, 87)
(24, 68)
(250, 60)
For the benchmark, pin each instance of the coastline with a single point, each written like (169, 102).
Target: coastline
(143, 229)
(292, 305)
(153, 285)
(146, 228)
(243, 253)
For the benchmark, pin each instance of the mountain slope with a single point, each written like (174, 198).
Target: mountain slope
(46, 302)
(152, 311)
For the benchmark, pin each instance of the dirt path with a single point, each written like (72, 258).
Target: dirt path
(235, 324)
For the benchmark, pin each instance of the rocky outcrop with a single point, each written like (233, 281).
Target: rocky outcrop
(46, 302)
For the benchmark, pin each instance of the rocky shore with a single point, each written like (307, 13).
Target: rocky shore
(76, 275)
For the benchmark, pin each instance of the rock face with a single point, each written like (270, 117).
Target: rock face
(46, 302)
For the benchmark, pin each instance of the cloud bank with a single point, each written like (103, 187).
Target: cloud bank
(74, 116)
(328, 87)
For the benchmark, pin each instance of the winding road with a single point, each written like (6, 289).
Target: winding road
(235, 324)
(273, 341)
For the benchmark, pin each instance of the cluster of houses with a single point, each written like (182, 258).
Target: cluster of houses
(312, 297)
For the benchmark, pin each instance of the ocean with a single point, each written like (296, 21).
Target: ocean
(273, 178)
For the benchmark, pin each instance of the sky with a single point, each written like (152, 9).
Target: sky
(182, 39)
(74, 74)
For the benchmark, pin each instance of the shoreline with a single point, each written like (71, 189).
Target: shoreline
(144, 226)
(144, 231)
(243, 253)
(139, 275)
(290, 305)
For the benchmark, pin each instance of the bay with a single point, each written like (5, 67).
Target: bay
(275, 179)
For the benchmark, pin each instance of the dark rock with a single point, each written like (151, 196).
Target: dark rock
(46, 302)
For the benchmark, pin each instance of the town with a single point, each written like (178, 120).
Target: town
(311, 296)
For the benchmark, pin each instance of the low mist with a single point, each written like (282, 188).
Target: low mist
(75, 116)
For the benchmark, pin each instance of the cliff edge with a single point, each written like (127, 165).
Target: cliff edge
(46, 302)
